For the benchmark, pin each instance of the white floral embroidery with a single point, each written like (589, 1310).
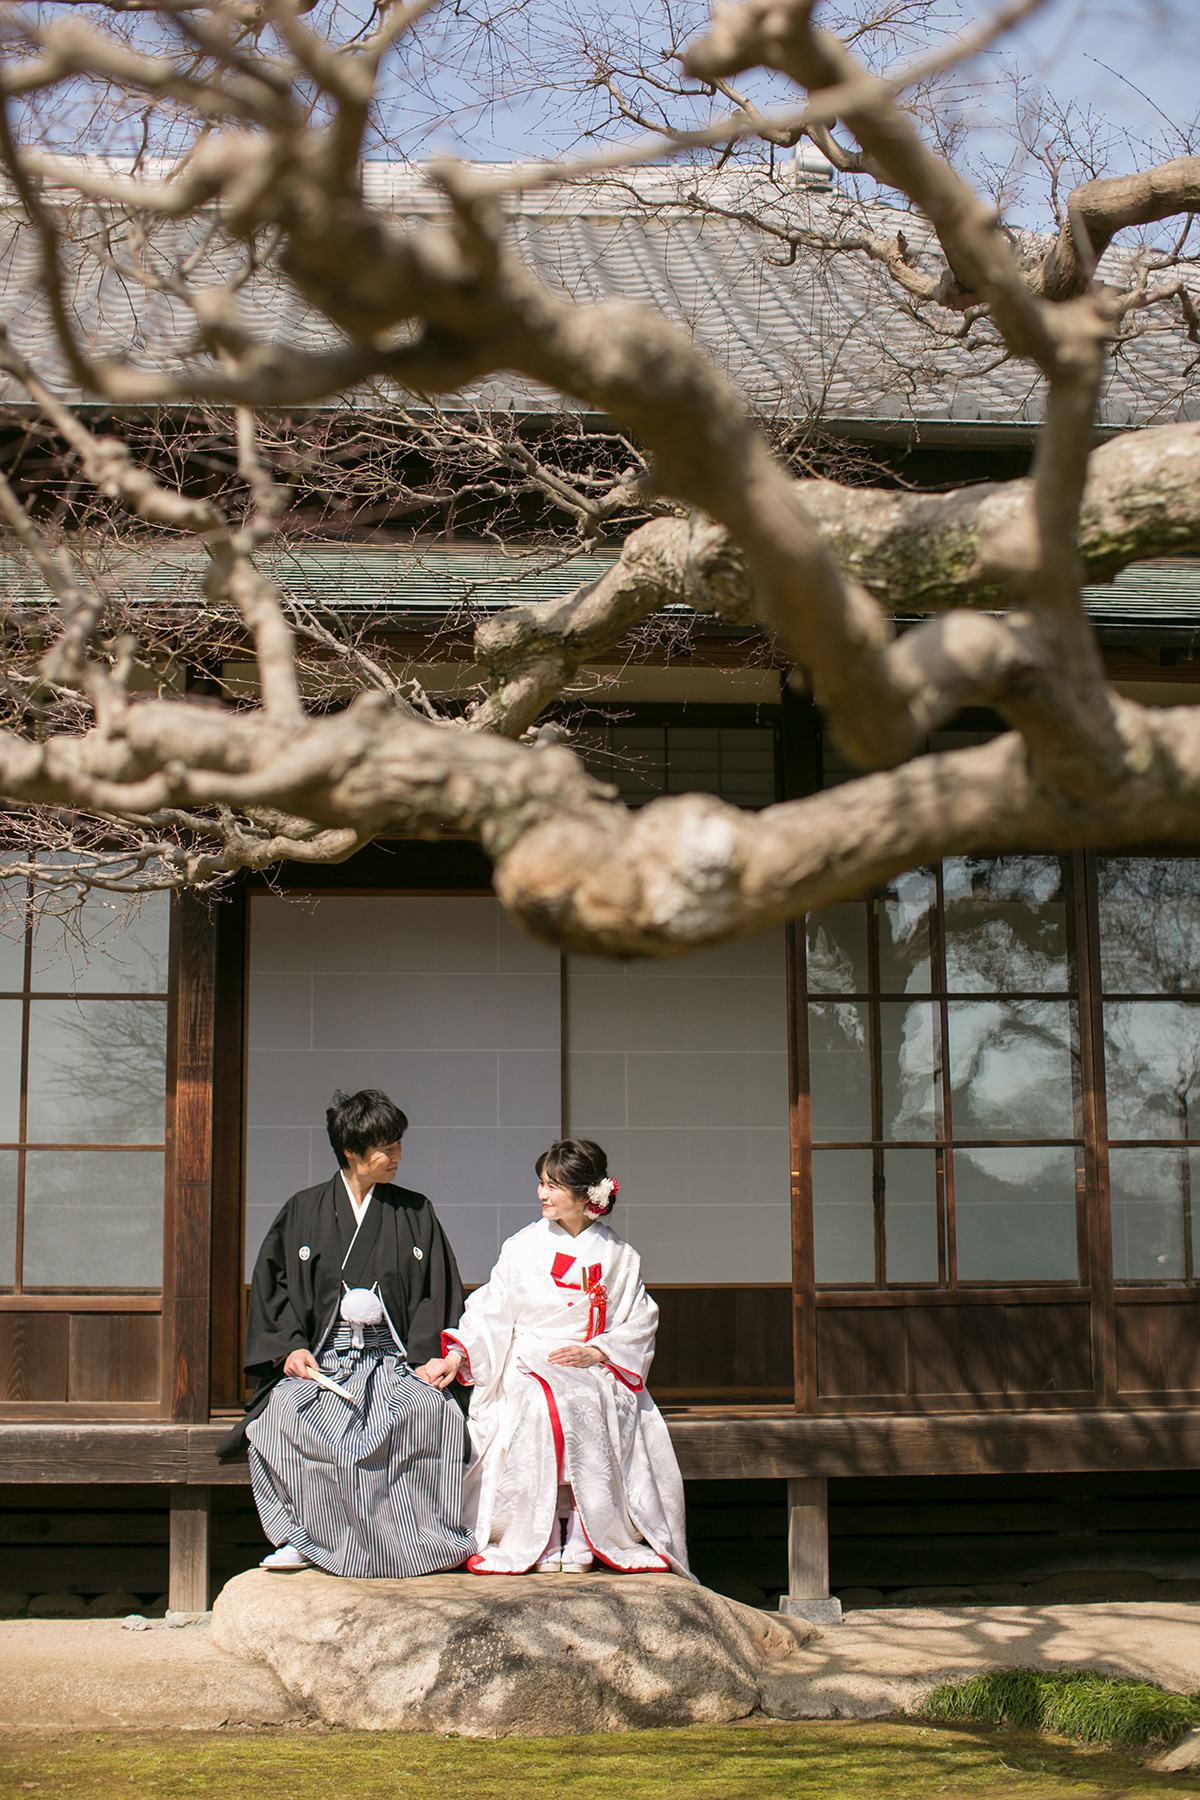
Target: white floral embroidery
(305, 1253)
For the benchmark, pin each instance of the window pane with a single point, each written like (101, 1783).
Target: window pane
(10, 1069)
(837, 950)
(1006, 925)
(910, 1091)
(1150, 1190)
(97, 1071)
(103, 946)
(1152, 1068)
(1149, 924)
(1014, 1214)
(748, 765)
(12, 933)
(839, 1070)
(904, 918)
(843, 1216)
(639, 766)
(910, 1214)
(1013, 1068)
(8, 1217)
(93, 1218)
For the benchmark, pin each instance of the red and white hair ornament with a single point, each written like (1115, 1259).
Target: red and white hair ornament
(599, 1197)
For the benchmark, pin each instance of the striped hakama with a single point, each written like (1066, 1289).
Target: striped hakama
(373, 1489)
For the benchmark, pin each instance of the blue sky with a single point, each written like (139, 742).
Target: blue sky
(1134, 65)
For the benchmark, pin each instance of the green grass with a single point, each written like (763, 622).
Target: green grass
(835, 1760)
(1076, 1703)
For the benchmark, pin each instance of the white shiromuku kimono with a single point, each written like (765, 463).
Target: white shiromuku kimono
(536, 1425)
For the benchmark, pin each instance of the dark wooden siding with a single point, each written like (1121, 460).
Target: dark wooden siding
(87, 1358)
(981, 1354)
(733, 1342)
(1158, 1345)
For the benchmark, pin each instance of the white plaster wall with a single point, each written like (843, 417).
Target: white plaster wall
(442, 1003)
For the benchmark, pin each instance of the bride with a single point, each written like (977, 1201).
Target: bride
(570, 1456)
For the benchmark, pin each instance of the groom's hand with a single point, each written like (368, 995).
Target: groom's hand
(439, 1371)
(302, 1363)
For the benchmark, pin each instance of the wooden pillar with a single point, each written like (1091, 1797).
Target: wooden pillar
(808, 1553)
(801, 775)
(187, 1270)
(187, 1584)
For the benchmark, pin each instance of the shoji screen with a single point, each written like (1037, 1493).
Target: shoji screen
(680, 1070)
(443, 1004)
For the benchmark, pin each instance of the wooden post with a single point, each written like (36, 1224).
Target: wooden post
(808, 1553)
(187, 1583)
(187, 1271)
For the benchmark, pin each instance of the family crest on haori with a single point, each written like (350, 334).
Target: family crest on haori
(571, 1459)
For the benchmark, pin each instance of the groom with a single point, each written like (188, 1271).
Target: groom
(356, 1231)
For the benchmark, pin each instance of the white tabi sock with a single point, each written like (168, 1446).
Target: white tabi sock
(576, 1547)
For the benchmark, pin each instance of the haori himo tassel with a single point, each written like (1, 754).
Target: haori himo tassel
(361, 1306)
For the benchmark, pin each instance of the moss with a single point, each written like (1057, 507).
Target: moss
(829, 1760)
(1078, 1703)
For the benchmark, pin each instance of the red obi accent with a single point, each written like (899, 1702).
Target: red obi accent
(597, 1295)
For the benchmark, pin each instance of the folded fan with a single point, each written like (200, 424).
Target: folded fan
(324, 1381)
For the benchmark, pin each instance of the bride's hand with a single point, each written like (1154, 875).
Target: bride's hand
(439, 1371)
(576, 1356)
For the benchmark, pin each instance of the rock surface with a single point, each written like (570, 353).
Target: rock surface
(488, 1656)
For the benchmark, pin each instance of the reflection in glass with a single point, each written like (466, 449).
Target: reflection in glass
(97, 1071)
(837, 950)
(1151, 1191)
(843, 1216)
(8, 1217)
(10, 1069)
(1152, 1068)
(910, 1215)
(1006, 925)
(1013, 1068)
(839, 1070)
(1014, 1214)
(909, 1063)
(93, 1218)
(107, 945)
(1149, 924)
(905, 914)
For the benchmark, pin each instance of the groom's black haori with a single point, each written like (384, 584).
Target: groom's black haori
(365, 1480)
(294, 1299)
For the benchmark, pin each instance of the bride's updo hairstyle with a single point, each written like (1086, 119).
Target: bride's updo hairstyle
(582, 1166)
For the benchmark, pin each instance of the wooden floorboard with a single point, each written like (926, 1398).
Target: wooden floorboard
(88, 1453)
(710, 1445)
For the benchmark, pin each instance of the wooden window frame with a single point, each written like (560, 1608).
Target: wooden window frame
(19, 1295)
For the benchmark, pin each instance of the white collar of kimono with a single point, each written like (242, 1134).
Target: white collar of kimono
(553, 1225)
(358, 1206)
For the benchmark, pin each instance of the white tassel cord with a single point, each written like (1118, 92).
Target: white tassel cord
(361, 1306)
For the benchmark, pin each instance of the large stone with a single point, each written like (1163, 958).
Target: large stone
(486, 1656)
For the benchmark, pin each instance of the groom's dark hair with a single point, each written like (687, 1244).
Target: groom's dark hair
(358, 1122)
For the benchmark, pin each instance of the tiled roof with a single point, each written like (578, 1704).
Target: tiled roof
(827, 336)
